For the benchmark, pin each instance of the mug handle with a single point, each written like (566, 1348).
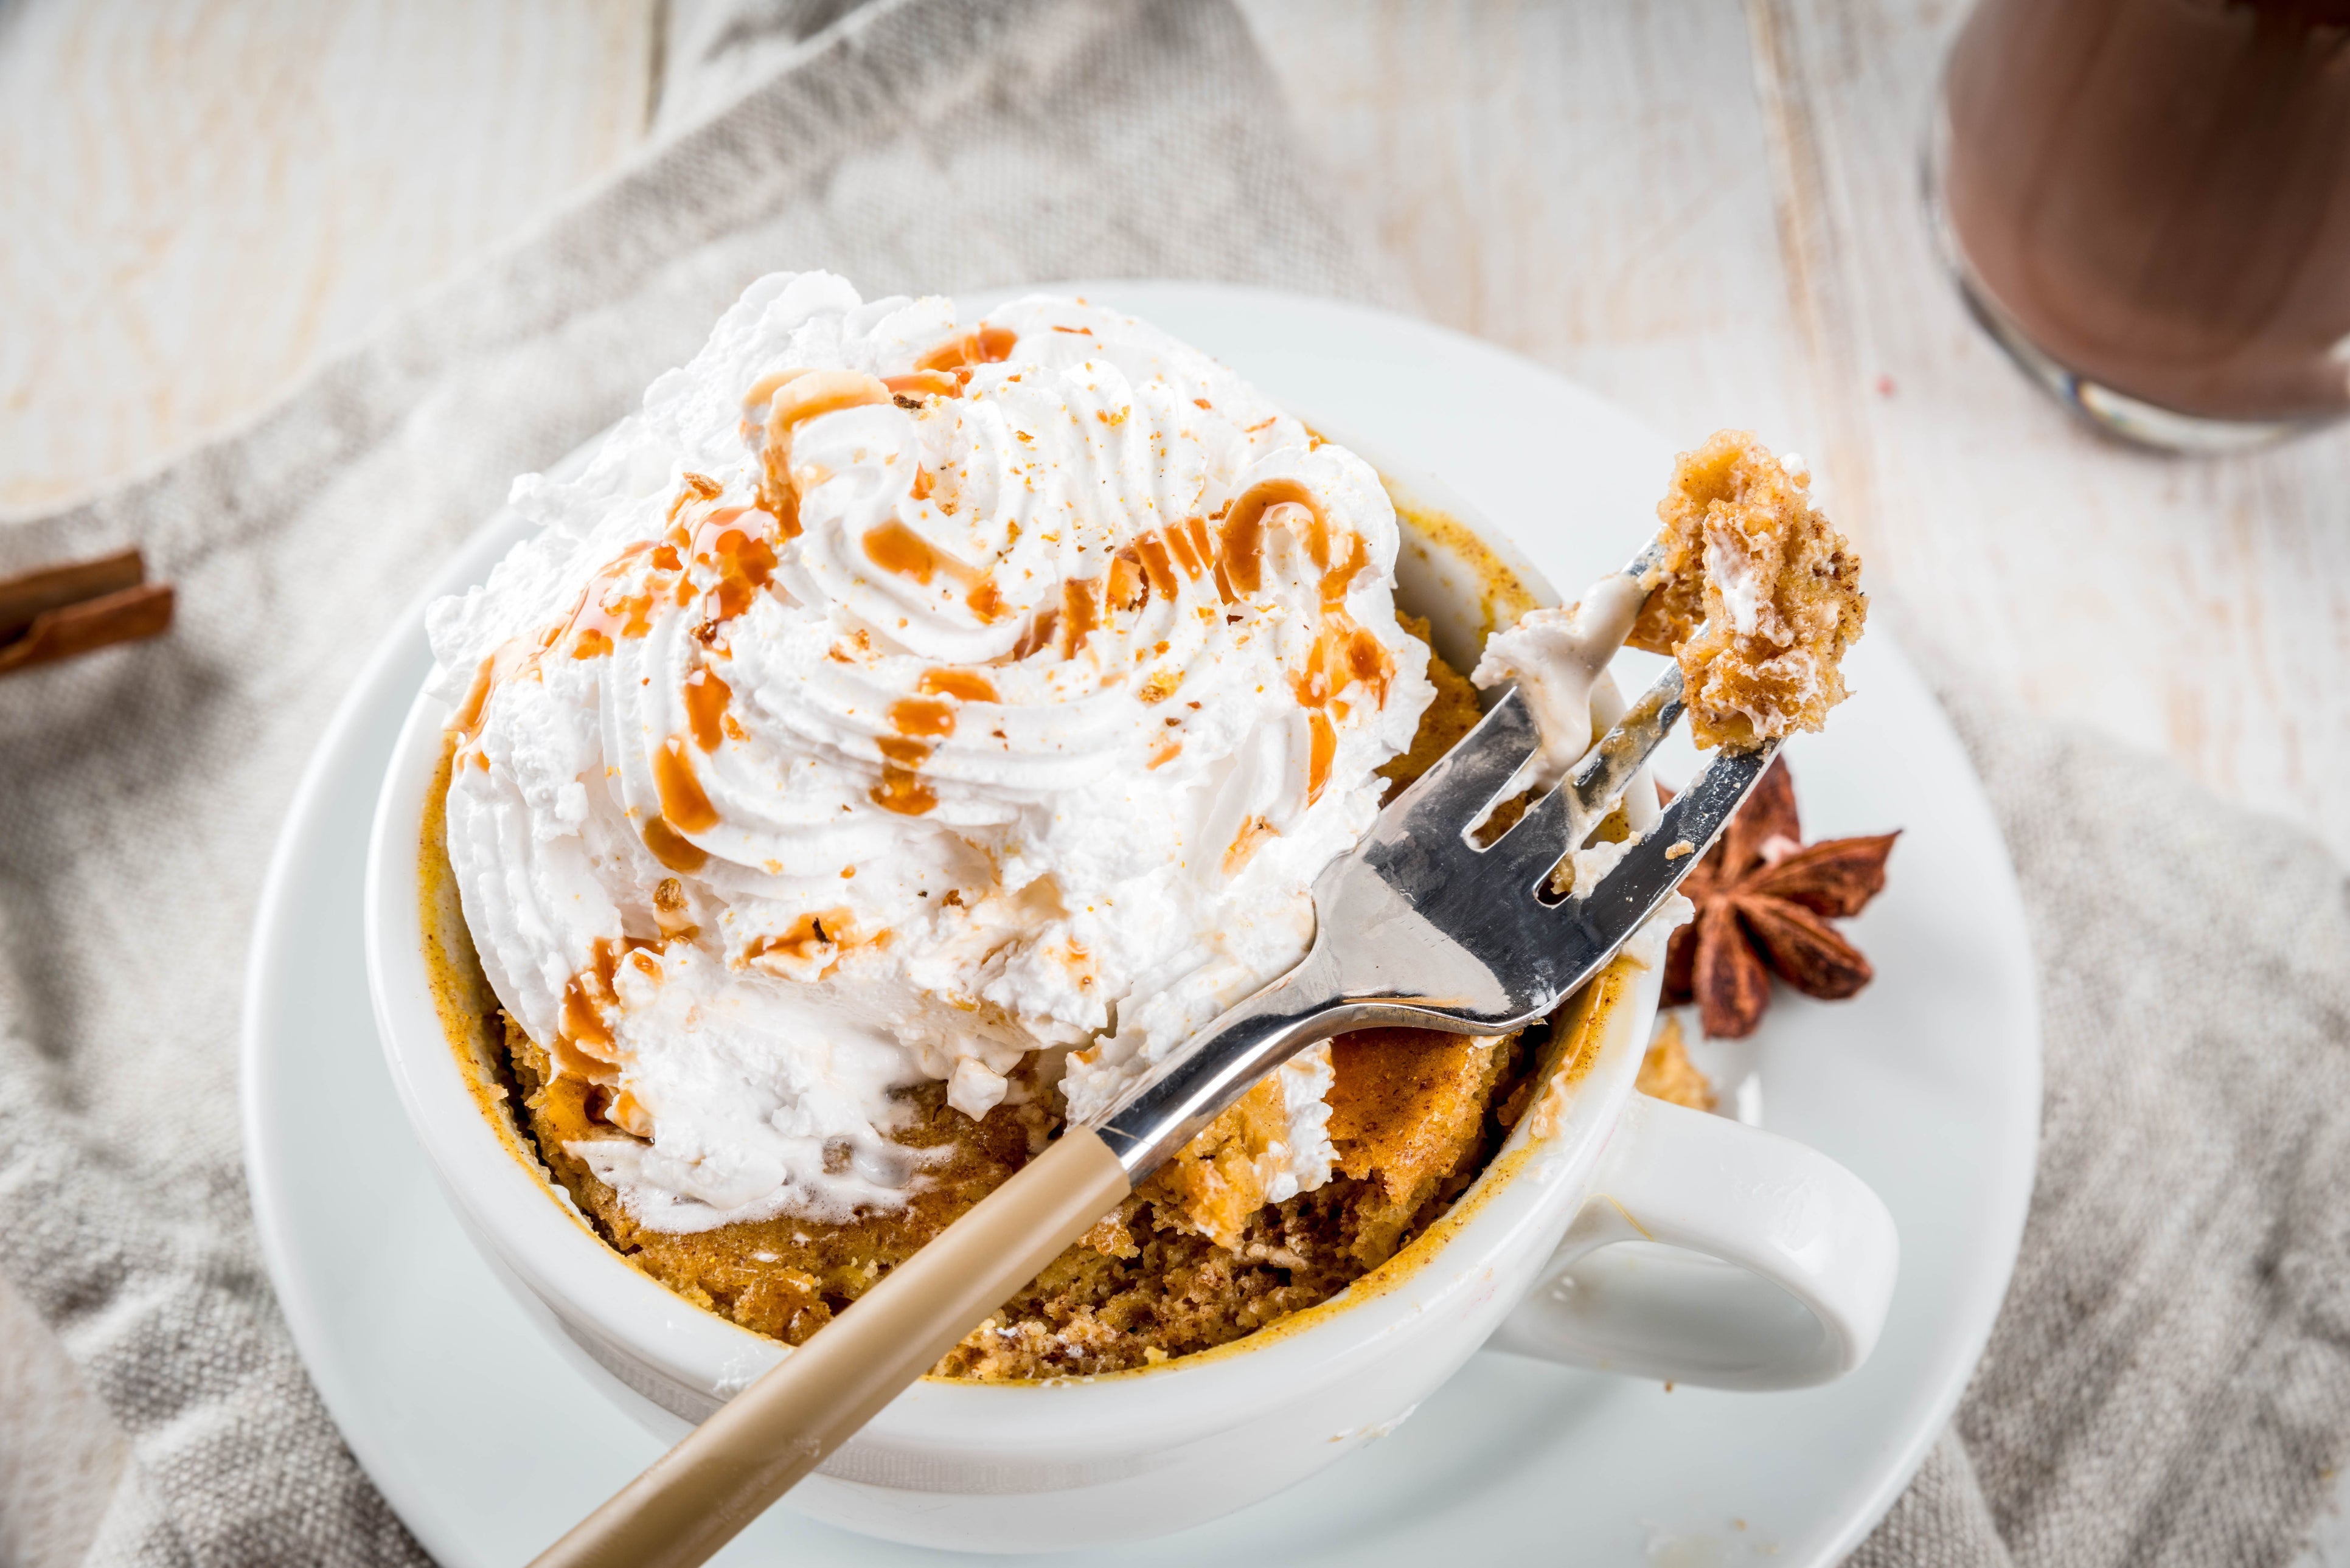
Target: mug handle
(1775, 1267)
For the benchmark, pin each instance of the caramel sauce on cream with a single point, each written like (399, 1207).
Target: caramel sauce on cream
(673, 849)
(731, 542)
(1322, 749)
(694, 487)
(744, 560)
(1242, 534)
(1081, 611)
(511, 659)
(980, 345)
(903, 792)
(968, 685)
(1157, 564)
(902, 789)
(683, 805)
(806, 934)
(586, 1043)
(794, 396)
(922, 716)
(926, 384)
(894, 547)
(606, 612)
(819, 938)
(1179, 545)
(705, 707)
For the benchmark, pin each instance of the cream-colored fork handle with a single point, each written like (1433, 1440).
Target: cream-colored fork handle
(695, 1498)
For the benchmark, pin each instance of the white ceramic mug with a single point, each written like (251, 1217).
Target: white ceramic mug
(1612, 1232)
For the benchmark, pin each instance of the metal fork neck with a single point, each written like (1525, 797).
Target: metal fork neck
(1175, 1104)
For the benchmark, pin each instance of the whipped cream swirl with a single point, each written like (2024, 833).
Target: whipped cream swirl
(892, 699)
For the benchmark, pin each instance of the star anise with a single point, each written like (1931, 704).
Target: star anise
(1763, 901)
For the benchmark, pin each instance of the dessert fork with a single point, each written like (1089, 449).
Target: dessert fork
(1420, 925)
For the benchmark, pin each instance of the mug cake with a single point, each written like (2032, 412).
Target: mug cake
(905, 735)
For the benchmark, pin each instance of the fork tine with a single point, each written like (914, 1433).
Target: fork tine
(1556, 825)
(1456, 791)
(1466, 781)
(1606, 770)
(1696, 818)
(1534, 843)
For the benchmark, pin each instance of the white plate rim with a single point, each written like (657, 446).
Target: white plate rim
(278, 1235)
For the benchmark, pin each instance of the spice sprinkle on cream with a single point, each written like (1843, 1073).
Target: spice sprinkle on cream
(896, 699)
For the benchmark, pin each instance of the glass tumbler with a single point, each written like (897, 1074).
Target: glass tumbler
(2147, 202)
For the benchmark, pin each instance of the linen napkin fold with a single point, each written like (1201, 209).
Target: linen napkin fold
(912, 145)
(2168, 1383)
(2169, 1379)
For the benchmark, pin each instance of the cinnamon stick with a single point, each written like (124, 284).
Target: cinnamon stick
(61, 612)
(26, 598)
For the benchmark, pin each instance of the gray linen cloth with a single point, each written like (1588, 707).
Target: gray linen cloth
(2170, 1380)
(2166, 1385)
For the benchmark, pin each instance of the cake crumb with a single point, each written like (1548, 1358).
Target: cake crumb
(1667, 1074)
(1758, 596)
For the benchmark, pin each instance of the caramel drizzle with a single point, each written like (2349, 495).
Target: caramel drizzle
(923, 385)
(744, 560)
(901, 790)
(920, 723)
(584, 1024)
(1039, 633)
(793, 397)
(511, 659)
(684, 806)
(894, 547)
(604, 614)
(1129, 589)
(1344, 652)
(980, 346)
(705, 708)
(1323, 747)
(928, 716)
(1188, 543)
(671, 848)
(1081, 612)
(1150, 550)
(968, 685)
(1252, 834)
(694, 487)
(807, 938)
(629, 1115)
(734, 549)
(730, 545)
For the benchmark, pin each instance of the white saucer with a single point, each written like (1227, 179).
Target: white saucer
(489, 1442)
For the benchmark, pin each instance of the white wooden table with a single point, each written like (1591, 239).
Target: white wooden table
(1709, 213)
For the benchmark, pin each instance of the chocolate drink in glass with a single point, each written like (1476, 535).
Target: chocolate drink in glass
(2149, 201)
